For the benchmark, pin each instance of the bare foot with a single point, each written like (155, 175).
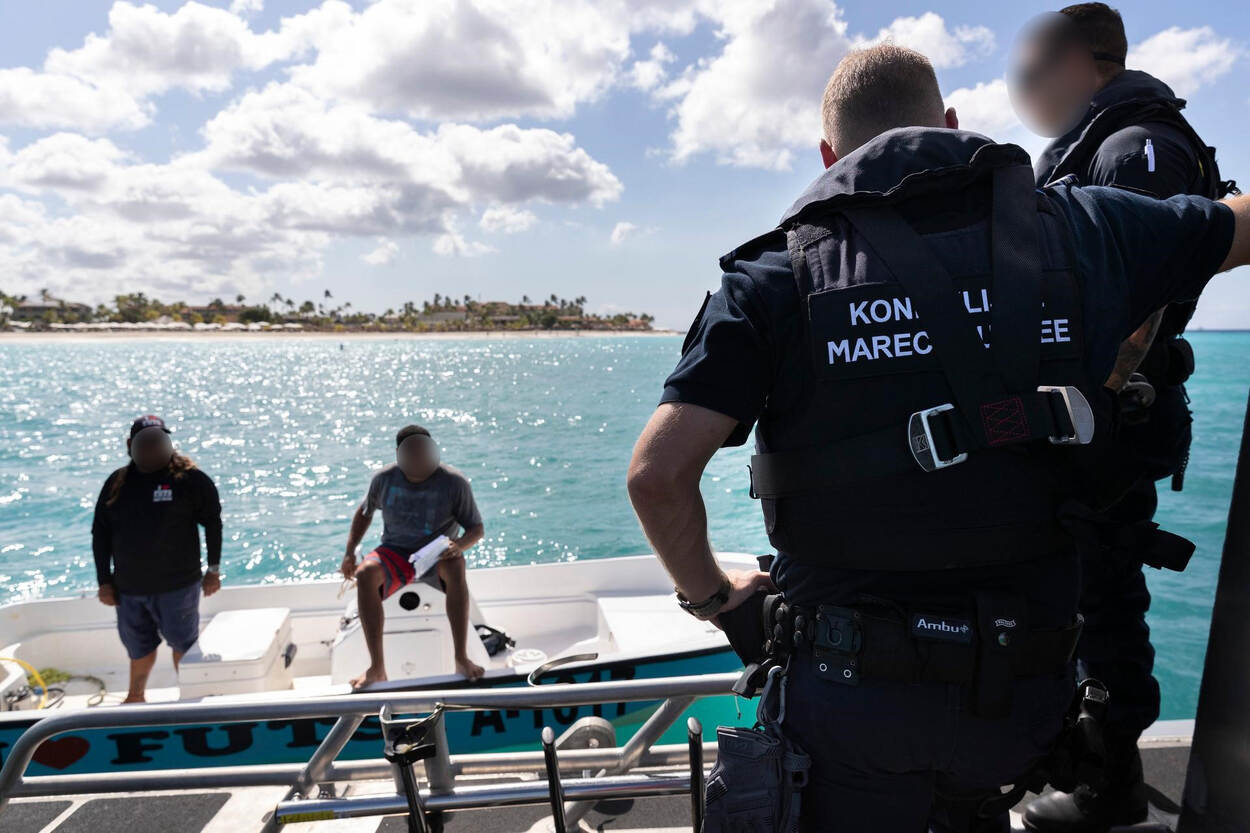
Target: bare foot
(134, 698)
(469, 669)
(371, 675)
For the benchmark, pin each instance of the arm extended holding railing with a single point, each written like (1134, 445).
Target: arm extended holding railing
(1239, 252)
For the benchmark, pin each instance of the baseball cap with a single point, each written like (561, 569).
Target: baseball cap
(147, 421)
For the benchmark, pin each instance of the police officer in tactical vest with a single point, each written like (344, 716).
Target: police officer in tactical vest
(1120, 128)
(917, 346)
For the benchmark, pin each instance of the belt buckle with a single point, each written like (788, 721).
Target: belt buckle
(1079, 412)
(920, 440)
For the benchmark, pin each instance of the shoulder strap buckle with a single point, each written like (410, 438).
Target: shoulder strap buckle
(920, 439)
(1074, 418)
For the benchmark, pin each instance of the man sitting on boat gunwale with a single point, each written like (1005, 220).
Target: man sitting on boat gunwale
(146, 542)
(422, 500)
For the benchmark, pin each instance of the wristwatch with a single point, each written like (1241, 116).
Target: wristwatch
(213, 569)
(710, 606)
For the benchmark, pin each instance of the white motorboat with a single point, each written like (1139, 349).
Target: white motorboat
(586, 620)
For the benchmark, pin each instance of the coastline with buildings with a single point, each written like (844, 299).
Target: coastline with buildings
(137, 313)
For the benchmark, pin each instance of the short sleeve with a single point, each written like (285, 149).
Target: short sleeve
(464, 506)
(1136, 254)
(1150, 159)
(726, 363)
(373, 498)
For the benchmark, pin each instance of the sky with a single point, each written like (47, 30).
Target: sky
(390, 150)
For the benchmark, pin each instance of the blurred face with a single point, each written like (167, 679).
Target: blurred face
(1052, 78)
(417, 457)
(151, 449)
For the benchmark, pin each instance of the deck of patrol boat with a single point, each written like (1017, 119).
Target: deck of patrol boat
(1165, 756)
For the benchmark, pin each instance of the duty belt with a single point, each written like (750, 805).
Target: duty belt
(985, 650)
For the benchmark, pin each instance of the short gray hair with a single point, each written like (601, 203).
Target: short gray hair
(878, 89)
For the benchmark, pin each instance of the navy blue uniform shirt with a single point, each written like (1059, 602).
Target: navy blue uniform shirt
(1133, 255)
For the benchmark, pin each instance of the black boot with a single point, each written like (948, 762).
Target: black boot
(1087, 811)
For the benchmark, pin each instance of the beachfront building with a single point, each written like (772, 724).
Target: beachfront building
(444, 316)
(45, 307)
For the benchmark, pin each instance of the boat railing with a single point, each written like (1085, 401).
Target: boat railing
(445, 774)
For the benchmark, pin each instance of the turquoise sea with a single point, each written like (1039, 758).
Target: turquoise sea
(291, 429)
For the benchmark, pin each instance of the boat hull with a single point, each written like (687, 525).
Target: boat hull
(293, 741)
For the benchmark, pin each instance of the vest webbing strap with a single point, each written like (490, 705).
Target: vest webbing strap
(995, 389)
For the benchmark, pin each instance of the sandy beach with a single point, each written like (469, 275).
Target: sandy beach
(14, 337)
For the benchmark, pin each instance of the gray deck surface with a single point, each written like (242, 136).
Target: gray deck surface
(241, 811)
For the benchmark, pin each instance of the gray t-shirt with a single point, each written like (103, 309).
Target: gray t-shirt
(413, 514)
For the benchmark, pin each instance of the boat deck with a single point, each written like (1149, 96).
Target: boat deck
(1165, 756)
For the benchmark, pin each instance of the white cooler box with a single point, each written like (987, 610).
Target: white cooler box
(241, 651)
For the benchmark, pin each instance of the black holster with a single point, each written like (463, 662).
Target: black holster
(1078, 757)
(1143, 541)
(756, 785)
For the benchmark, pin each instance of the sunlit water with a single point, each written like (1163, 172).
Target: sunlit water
(292, 428)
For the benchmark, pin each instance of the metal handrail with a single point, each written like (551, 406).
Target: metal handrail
(341, 706)
(375, 769)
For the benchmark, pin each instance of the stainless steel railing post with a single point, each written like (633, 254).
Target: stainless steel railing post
(648, 733)
(319, 764)
(554, 786)
(694, 738)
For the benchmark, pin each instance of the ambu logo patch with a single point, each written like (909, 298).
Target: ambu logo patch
(163, 493)
(928, 626)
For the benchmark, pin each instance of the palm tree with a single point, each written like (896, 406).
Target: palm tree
(525, 299)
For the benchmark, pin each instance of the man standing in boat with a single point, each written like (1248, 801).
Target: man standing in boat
(1122, 128)
(913, 472)
(423, 501)
(146, 543)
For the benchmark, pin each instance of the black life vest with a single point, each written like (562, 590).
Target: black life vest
(1134, 98)
(899, 378)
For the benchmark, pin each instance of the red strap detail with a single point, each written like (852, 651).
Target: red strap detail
(1004, 421)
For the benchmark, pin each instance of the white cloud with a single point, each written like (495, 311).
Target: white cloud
(621, 231)
(506, 219)
(147, 51)
(759, 99)
(43, 101)
(451, 244)
(512, 164)
(649, 74)
(106, 83)
(383, 254)
(66, 161)
(1186, 59)
(985, 108)
(245, 7)
(284, 131)
(472, 59)
(929, 35)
